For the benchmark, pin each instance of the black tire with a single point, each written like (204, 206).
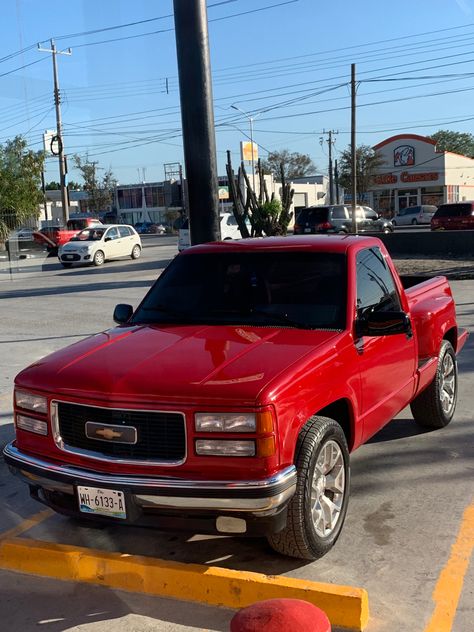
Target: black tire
(414, 222)
(99, 258)
(394, 223)
(434, 407)
(66, 265)
(300, 537)
(136, 251)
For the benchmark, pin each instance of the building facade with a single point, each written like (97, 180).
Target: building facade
(147, 202)
(415, 172)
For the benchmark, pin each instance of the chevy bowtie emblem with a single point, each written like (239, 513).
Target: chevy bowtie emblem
(107, 433)
(111, 432)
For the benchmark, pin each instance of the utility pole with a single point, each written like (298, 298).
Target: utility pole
(353, 149)
(330, 143)
(43, 189)
(59, 127)
(197, 115)
(336, 181)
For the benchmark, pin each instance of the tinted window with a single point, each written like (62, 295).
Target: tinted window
(313, 215)
(124, 231)
(339, 212)
(454, 210)
(412, 210)
(243, 288)
(376, 289)
(231, 221)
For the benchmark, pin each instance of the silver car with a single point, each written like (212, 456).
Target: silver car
(99, 243)
(413, 215)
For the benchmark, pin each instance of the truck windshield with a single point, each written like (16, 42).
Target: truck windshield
(285, 289)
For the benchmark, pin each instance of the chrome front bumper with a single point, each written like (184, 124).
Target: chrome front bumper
(258, 497)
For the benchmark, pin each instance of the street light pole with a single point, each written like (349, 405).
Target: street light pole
(250, 118)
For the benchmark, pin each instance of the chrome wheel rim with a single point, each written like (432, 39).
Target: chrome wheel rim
(448, 384)
(136, 252)
(328, 486)
(99, 257)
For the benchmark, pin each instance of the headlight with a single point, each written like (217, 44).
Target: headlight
(36, 403)
(84, 249)
(225, 422)
(224, 447)
(31, 425)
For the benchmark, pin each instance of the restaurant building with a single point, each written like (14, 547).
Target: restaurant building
(415, 172)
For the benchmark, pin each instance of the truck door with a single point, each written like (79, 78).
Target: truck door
(387, 364)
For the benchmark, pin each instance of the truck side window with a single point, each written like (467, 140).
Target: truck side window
(376, 289)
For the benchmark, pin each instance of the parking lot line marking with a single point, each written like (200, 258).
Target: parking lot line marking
(26, 524)
(345, 606)
(450, 582)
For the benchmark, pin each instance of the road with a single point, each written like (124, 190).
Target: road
(410, 489)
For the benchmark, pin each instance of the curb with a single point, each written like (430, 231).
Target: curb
(345, 606)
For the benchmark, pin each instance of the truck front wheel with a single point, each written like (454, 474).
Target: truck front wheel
(434, 407)
(317, 510)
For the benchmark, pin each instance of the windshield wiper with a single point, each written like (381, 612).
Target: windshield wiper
(281, 318)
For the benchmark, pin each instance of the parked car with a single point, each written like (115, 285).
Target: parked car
(454, 216)
(337, 218)
(157, 229)
(413, 215)
(98, 244)
(228, 225)
(229, 400)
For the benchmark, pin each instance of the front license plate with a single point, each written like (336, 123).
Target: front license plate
(307, 230)
(103, 502)
(69, 256)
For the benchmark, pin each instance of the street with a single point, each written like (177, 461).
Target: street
(410, 488)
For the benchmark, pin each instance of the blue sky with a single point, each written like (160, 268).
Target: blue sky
(289, 65)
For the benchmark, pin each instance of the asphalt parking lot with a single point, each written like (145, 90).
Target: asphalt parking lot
(411, 497)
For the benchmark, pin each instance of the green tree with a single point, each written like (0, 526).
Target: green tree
(368, 165)
(20, 184)
(52, 186)
(100, 190)
(457, 142)
(295, 165)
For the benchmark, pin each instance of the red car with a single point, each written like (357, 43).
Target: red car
(455, 216)
(229, 400)
(55, 236)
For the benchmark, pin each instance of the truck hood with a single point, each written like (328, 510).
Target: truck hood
(176, 363)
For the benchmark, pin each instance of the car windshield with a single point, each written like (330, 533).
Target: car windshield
(292, 289)
(89, 234)
(313, 215)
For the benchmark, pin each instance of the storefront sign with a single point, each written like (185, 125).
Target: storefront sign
(387, 178)
(418, 177)
(404, 156)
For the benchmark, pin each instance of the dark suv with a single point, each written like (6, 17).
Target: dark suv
(455, 216)
(337, 218)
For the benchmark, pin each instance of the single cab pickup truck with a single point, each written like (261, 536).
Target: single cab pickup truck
(229, 400)
(54, 236)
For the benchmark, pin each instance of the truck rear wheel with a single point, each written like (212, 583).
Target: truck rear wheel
(434, 407)
(317, 510)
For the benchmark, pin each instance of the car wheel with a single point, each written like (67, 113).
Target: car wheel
(394, 223)
(136, 252)
(434, 407)
(387, 230)
(99, 258)
(317, 510)
(66, 265)
(414, 222)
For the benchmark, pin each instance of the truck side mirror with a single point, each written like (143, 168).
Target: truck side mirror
(122, 313)
(383, 324)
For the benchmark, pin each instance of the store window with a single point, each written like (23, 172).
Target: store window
(154, 197)
(384, 202)
(129, 198)
(432, 195)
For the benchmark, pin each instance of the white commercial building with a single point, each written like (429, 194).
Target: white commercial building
(415, 173)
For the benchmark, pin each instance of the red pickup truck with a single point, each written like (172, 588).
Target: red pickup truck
(55, 236)
(229, 400)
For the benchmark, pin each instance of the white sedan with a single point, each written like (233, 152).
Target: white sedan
(97, 244)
